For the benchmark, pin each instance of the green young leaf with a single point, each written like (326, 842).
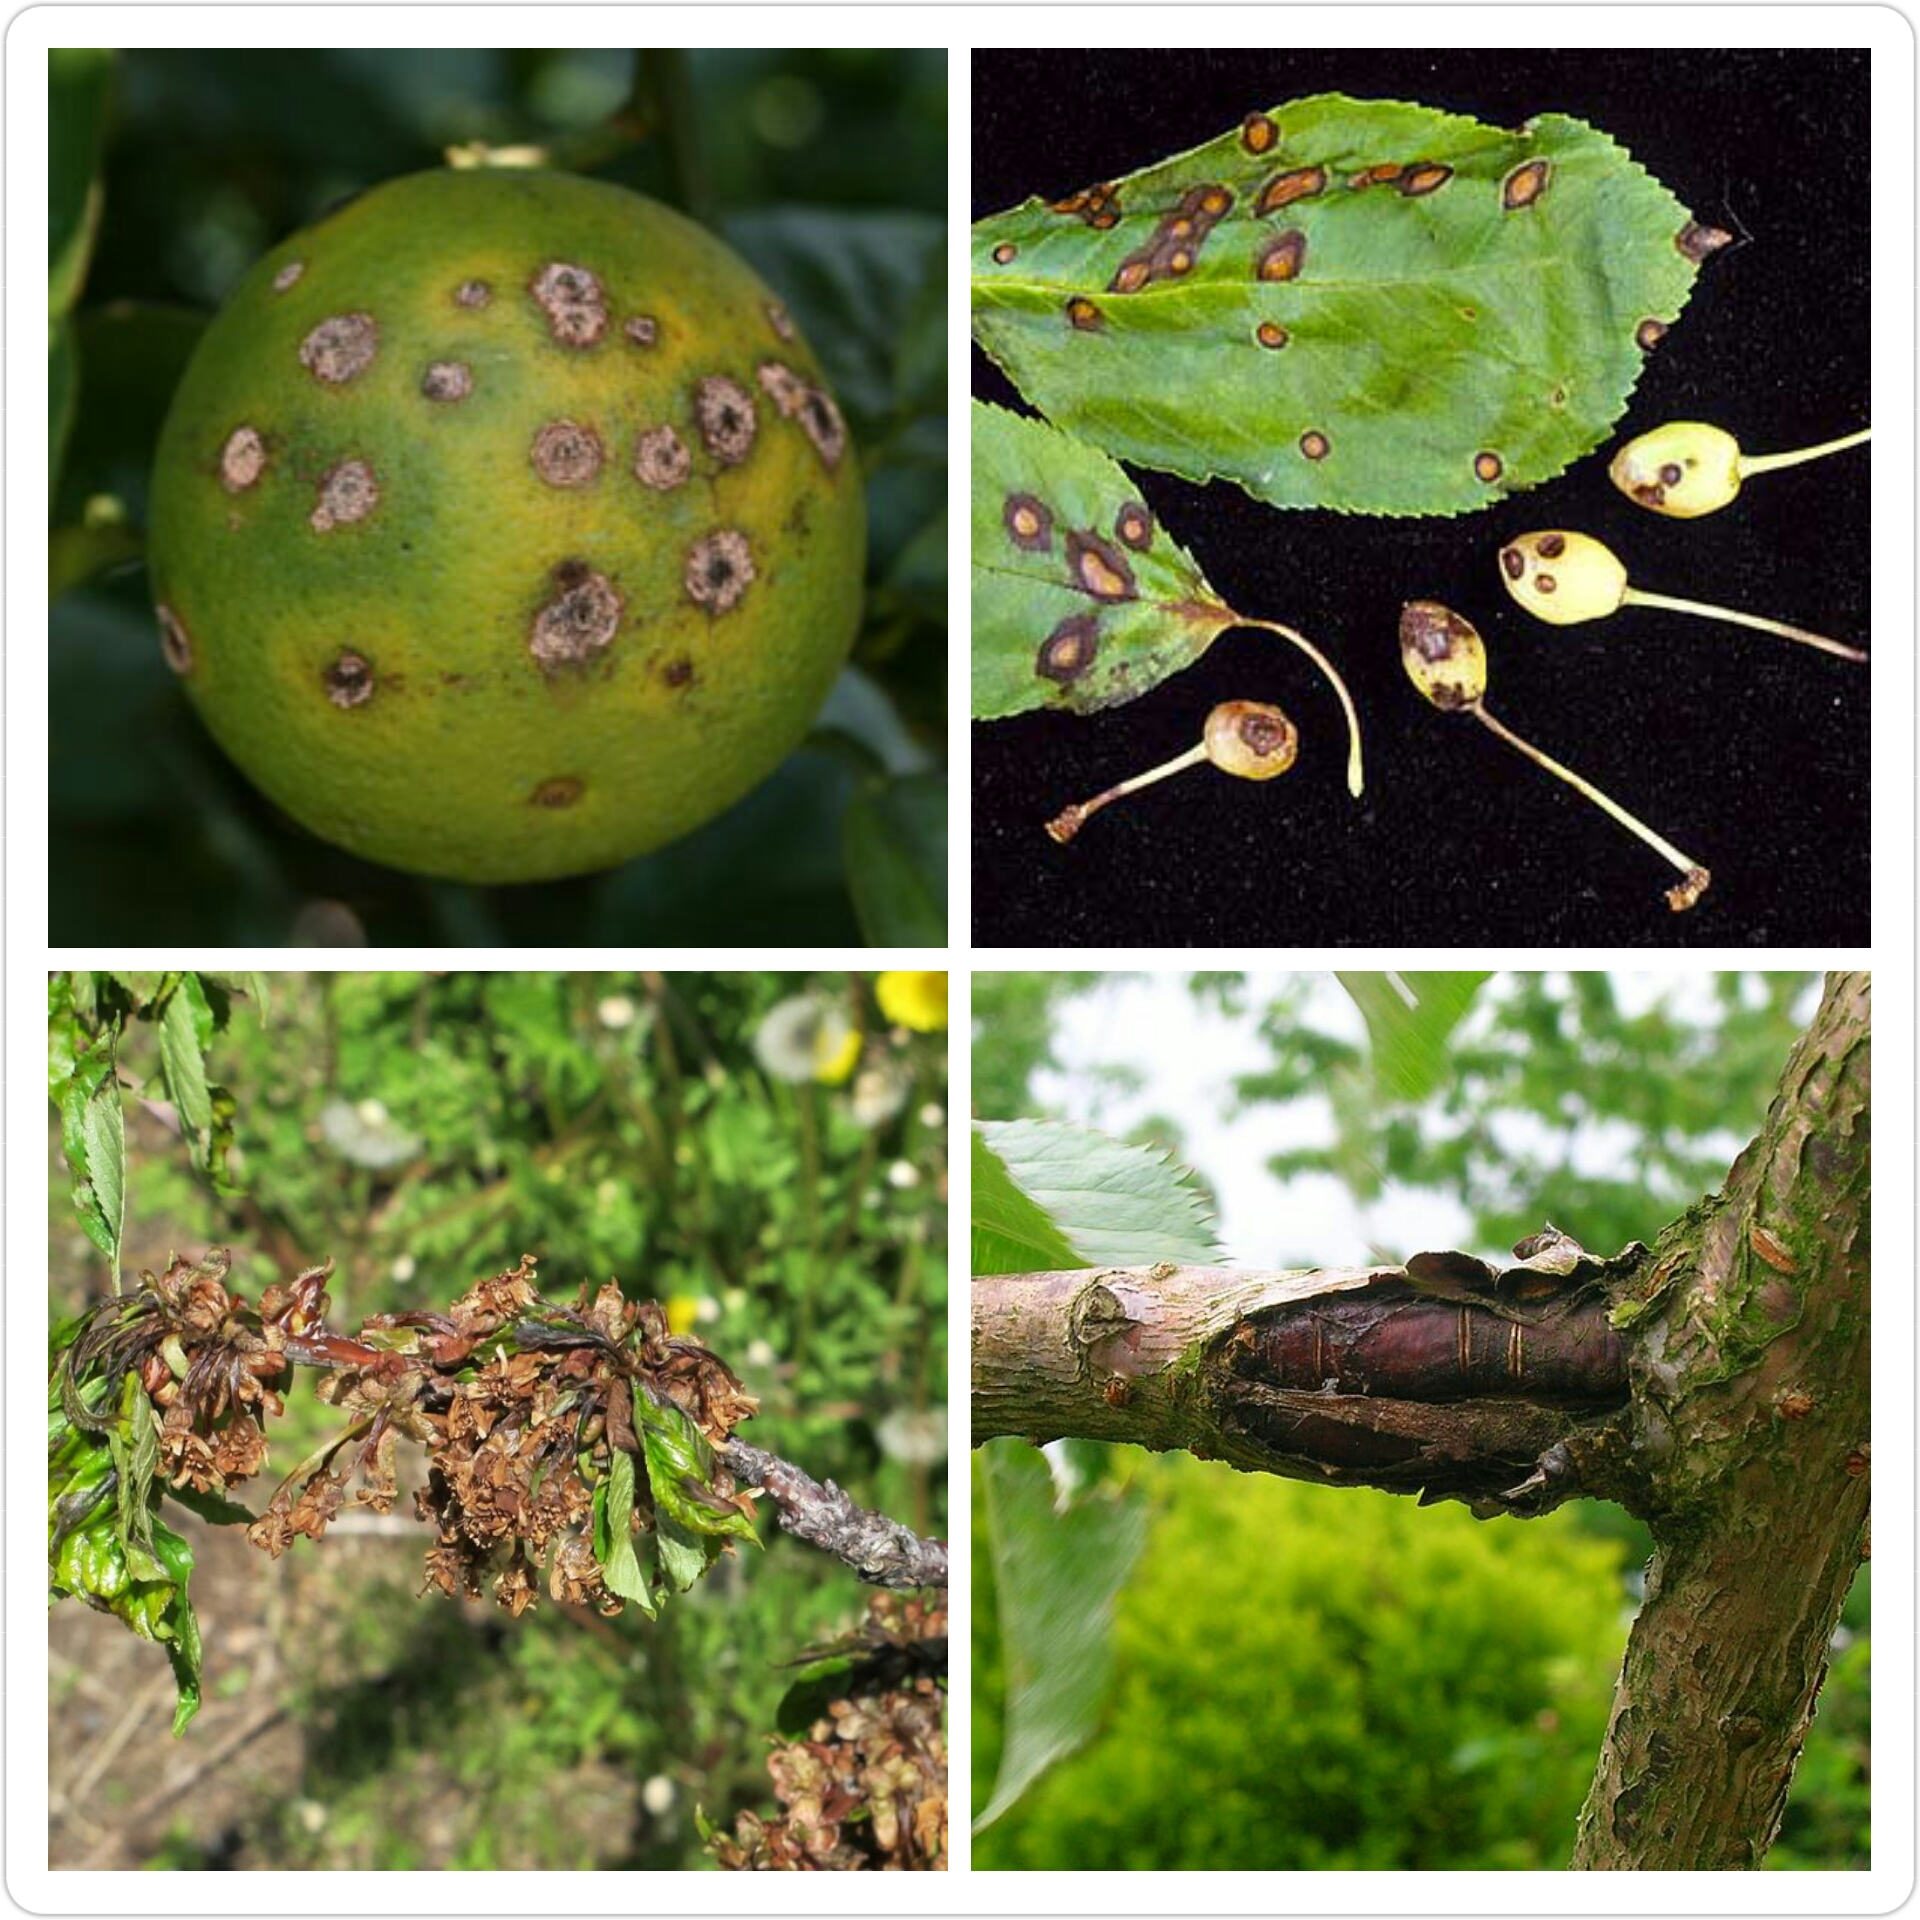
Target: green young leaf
(1055, 1577)
(1079, 599)
(1428, 315)
(895, 837)
(809, 1697)
(93, 1133)
(1121, 1206)
(215, 1507)
(1011, 1234)
(186, 1029)
(66, 1037)
(680, 1473)
(78, 82)
(1410, 1019)
(613, 1535)
(179, 1626)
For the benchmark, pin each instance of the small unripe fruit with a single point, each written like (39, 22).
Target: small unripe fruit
(1563, 577)
(1250, 739)
(1443, 654)
(1683, 469)
(503, 528)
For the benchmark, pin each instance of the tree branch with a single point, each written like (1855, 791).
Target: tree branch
(881, 1551)
(1749, 1426)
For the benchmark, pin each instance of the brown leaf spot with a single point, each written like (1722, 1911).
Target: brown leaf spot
(349, 680)
(339, 349)
(719, 570)
(347, 492)
(1004, 252)
(561, 791)
(1097, 206)
(1029, 524)
(1649, 333)
(1258, 133)
(1085, 315)
(473, 294)
(566, 454)
(574, 302)
(1423, 177)
(661, 459)
(1696, 241)
(1067, 652)
(447, 381)
(1297, 183)
(1133, 527)
(288, 275)
(242, 460)
(1488, 467)
(1281, 257)
(176, 646)
(579, 621)
(1382, 174)
(723, 411)
(1525, 184)
(1100, 568)
(1315, 445)
(1270, 333)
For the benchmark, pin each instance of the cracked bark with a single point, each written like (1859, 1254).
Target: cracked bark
(1716, 1385)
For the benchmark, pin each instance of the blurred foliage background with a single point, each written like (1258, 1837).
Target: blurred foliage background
(763, 1153)
(1310, 1677)
(172, 170)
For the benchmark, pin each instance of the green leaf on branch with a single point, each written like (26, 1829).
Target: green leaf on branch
(680, 1473)
(93, 1133)
(1056, 1572)
(186, 1030)
(1120, 1205)
(1080, 600)
(895, 836)
(1371, 306)
(1011, 1233)
(1410, 1020)
(613, 1535)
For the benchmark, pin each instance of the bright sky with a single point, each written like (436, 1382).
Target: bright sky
(1189, 1056)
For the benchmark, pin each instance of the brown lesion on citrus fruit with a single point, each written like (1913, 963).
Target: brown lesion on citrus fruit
(578, 623)
(242, 460)
(661, 459)
(574, 302)
(563, 790)
(348, 679)
(813, 407)
(566, 454)
(678, 672)
(780, 320)
(176, 644)
(643, 330)
(723, 410)
(289, 275)
(340, 348)
(447, 380)
(473, 295)
(719, 570)
(347, 492)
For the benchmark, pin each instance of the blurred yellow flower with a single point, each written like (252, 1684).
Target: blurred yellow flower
(916, 1000)
(683, 1313)
(834, 1061)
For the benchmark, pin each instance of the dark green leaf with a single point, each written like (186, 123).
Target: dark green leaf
(1434, 340)
(213, 1506)
(1011, 1234)
(1410, 1019)
(1056, 1574)
(896, 843)
(93, 1132)
(1122, 1206)
(186, 1028)
(178, 1626)
(619, 1564)
(680, 1472)
(78, 83)
(66, 1038)
(1050, 628)
(808, 1699)
(63, 399)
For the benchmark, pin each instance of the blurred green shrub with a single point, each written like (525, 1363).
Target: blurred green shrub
(1331, 1678)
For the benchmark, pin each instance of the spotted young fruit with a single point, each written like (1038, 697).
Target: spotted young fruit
(503, 527)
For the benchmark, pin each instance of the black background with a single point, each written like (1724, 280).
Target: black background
(1748, 752)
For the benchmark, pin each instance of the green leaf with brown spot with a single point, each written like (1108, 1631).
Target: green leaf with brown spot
(1428, 315)
(1080, 600)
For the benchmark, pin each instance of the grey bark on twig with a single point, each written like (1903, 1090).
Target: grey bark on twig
(881, 1551)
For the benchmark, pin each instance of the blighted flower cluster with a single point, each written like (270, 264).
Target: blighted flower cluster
(867, 1787)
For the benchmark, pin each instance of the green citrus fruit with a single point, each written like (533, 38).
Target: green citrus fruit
(503, 527)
